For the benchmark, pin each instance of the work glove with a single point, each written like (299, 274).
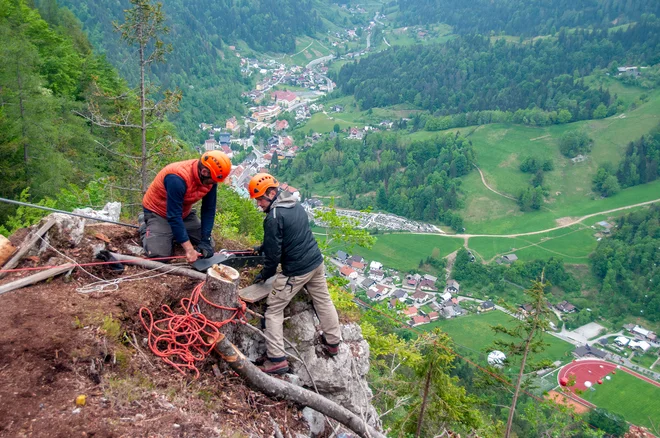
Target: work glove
(258, 279)
(205, 249)
(257, 249)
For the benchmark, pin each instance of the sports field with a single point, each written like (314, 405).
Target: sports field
(474, 337)
(625, 392)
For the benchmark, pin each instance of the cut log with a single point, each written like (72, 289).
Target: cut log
(273, 387)
(36, 278)
(6, 249)
(257, 292)
(27, 244)
(162, 267)
(221, 288)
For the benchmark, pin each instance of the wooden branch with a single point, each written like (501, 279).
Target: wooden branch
(36, 278)
(162, 267)
(273, 387)
(27, 244)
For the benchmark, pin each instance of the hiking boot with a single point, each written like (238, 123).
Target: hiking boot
(269, 367)
(331, 349)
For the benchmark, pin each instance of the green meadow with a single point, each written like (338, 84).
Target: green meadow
(638, 401)
(474, 338)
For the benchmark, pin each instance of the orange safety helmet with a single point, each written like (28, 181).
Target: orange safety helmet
(218, 163)
(260, 183)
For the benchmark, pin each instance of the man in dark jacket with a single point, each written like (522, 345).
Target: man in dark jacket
(288, 240)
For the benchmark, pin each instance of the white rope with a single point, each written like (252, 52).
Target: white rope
(101, 284)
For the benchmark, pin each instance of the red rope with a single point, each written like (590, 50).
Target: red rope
(42, 268)
(180, 340)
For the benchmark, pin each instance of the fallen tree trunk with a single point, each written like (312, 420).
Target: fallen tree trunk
(273, 387)
(36, 278)
(27, 244)
(162, 267)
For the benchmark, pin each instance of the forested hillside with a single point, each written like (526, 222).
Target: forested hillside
(415, 180)
(201, 65)
(472, 73)
(46, 75)
(51, 76)
(523, 17)
(628, 266)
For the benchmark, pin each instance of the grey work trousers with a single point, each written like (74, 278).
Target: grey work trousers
(157, 237)
(284, 289)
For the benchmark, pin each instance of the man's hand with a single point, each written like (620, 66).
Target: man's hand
(191, 254)
(258, 279)
(205, 249)
(257, 249)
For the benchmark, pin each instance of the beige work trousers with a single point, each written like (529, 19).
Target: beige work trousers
(284, 289)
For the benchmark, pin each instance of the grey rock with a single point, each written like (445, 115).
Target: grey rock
(111, 211)
(135, 250)
(315, 421)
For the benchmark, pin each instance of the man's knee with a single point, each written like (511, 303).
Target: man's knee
(157, 246)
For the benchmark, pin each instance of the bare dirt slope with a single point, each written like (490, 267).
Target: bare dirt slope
(57, 344)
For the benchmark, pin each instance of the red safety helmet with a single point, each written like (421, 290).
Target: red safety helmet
(218, 163)
(260, 183)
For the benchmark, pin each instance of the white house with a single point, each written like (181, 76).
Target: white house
(622, 341)
(446, 296)
(452, 286)
(376, 266)
(642, 345)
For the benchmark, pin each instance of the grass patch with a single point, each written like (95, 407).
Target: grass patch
(403, 251)
(638, 401)
(501, 148)
(474, 338)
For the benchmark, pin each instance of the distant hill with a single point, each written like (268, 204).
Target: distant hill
(201, 64)
(523, 17)
(471, 73)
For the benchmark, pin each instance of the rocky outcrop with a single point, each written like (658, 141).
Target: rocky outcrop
(341, 378)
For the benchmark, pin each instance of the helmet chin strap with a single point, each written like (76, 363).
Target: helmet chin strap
(267, 209)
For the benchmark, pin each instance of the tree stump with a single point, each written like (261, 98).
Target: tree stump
(221, 288)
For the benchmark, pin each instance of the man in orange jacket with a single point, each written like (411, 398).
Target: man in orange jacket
(168, 214)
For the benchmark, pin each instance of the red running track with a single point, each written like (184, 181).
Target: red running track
(592, 370)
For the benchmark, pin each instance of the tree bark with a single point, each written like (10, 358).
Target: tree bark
(273, 387)
(162, 267)
(143, 121)
(27, 244)
(425, 396)
(36, 278)
(221, 288)
(512, 411)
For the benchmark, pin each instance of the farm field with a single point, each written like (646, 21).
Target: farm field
(403, 251)
(474, 337)
(501, 148)
(638, 401)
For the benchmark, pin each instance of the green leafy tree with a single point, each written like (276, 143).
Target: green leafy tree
(528, 338)
(143, 27)
(610, 423)
(574, 143)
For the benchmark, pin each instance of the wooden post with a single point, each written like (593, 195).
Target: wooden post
(6, 249)
(36, 278)
(278, 388)
(221, 288)
(27, 244)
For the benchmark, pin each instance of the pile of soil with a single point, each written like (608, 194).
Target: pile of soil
(57, 344)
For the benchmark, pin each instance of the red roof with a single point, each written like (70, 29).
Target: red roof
(410, 311)
(281, 124)
(346, 271)
(434, 315)
(268, 156)
(356, 265)
(284, 95)
(419, 319)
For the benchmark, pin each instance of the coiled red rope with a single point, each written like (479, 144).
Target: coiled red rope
(181, 340)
